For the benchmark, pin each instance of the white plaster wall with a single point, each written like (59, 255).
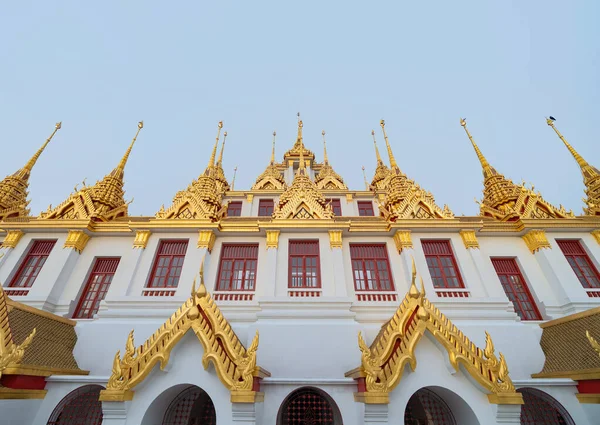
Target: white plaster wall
(14, 412)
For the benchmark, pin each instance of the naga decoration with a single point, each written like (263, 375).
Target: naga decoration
(383, 363)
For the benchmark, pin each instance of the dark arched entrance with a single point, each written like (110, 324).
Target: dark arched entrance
(427, 408)
(541, 408)
(192, 406)
(80, 407)
(309, 405)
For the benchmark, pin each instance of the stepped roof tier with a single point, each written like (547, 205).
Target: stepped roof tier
(327, 178)
(271, 178)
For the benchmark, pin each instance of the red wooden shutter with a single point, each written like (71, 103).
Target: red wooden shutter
(442, 264)
(96, 287)
(168, 264)
(32, 264)
(304, 264)
(580, 262)
(336, 206)
(365, 208)
(237, 267)
(265, 208)
(516, 289)
(234, 209)
(371, 267)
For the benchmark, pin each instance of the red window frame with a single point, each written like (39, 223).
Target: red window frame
(265, 207)
(166, 269)
(580, 262)
(304, 266)
(32, 263)
(96, 287)
(336, 206)
(371, 267)
(236, 259)
(365, 209)
(516, 287)
(234, 209)
(442, 264)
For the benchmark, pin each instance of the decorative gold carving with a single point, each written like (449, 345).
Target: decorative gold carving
(206, 239)
(249, 197)
(403, 240)
(335, 239)
(271, 178)
(302, 200)
(507, 201)
(76, 239)
(349, 197)
(103, 201)
(469, 238)
(382, 172)
(13, 189)
(12, 238)
(272, 239)
(595, 344)
(298, 151)
(222, 184)
(588, 398)
(235, 365)
(203, 197)
(11, 354)
(141, 238)
(596, 235)
(536, 240)
(327, 178)
(591, 176)
(383, 363)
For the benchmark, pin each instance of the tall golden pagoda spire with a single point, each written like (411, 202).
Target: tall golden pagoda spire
(211, 161)
(382, 172)
(506, 201)
(301, 166)
(591, 175)
(327, 178)
(325, 159)
(233, 179)
(271, 178)
(294, 153)
(220, 160)
(222, 183)
(273, 149)
(393, 163)
(13, 189)
(103, 201)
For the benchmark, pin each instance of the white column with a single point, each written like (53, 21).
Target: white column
(508, 413)
(115, 412)
(404, 245)
(269, 290)
(337, 258)
(49, 286)
(244, 413)
(376, 414)
(5, 252)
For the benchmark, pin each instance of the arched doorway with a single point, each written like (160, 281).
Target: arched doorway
(80, 407)
(308, 405)
(192, 406)
(427, 408)
(541, 408)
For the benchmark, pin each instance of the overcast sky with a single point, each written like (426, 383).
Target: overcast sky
(100, 67)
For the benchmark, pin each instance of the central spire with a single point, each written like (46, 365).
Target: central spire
(273, 150)
(300, 125)
(488, 170)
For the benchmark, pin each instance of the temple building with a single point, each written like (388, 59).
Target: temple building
(293, 299)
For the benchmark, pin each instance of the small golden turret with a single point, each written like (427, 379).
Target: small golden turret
(382, 172)
(393, 163)
(327, 178)
(271, 178)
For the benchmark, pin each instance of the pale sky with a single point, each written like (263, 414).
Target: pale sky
(100, 67)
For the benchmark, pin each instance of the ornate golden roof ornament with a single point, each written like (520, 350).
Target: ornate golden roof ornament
(235, 365)
(303, 199)
(294, 153)
(13, 189)
(103, 201)
(404, 198)
(507, 201)
(365, 178)
(327, 178)
(233, 179)
(591, 175)
(382, 172)
(271, 178)
(202, 198)
(222, 184)
(384, 361)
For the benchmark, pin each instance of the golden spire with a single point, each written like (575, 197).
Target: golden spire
(34, 158)
(273, 150)
(365, 178)
(220, 161)
(325, 159)
(488, 170)
(300, 125)
(379, 160)
(233, 180)
(587, 170)
(393, 163)
(123, 162)
(211, 162)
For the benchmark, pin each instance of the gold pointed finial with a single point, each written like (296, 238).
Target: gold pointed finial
(325, 159)
(220, 161)
(201, 289)
(379, 160)
(123, 161)
(211, 162)
(580, 161)
(413, 291)
(365, 178)
(487, 169)
(233, 180)
(300, 125)
(273, 149)
(393, 163)
(34, 158)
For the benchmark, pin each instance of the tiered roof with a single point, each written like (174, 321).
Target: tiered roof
(271, 178)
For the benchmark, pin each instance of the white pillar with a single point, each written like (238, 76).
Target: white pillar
(376, 414)
(337, 259)
(508, 413)
(48, 291)
(244, 413)
(272, 253)
(115, 412)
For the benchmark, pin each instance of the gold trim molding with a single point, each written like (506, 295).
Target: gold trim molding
(588, 398)
(141, 238)
(12, 238)
(335, 239)
(273, 239)
(77, 239)
(469, 238)
(536, 240)
(596, 235)
(249, 197)
(403, 240)
(206, 239)
(14, 394)
(348, 197)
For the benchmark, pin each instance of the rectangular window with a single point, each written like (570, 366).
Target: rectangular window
(442, 264)
(96, 287)
(336, 206)
(234, 209)
(580, 262)
(371, 268)
(168, 264)
(237, 267)
(365, 209)
(265, 208)
(516, 289)
(304, 266)
(32, 264)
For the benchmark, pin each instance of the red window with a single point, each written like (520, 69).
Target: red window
(371, 268)
(96, 288)
(237, 268)
(265, 208)
(304, 267)
(336, 206)
(516, 288)
(168, 264)
(580, 262)
(32, 264)
(234, 209)
(365, 209)
(442, 264)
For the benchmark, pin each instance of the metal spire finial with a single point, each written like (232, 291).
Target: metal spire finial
(273, 149)
(582, 162)
(123, 161)
(379, 160)
(365, 178)
(211, 162)
(233, 180)
(393, 163)
(325, 159)
(34, 158)
(220, 161)
(487, 169)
